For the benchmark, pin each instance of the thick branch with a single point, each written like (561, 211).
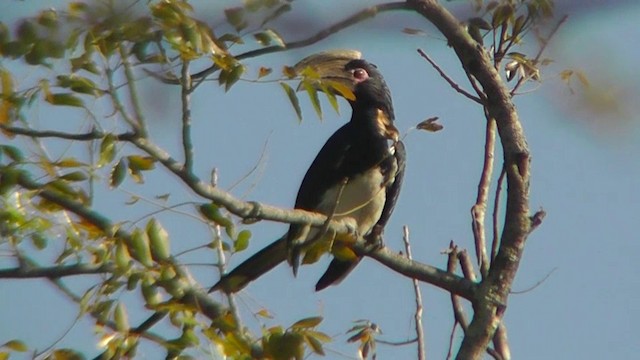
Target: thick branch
(494, 290)
(422, 272)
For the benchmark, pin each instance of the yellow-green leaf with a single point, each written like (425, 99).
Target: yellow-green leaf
(75, 176)
(118, 173)
(158, 240)
(138, 245)
(15, 345)
(120, 318)
(66, 99)
(306, 323)
(293, 98)
(107, 150)
(141, 163)
(313, 96)
(242, 242)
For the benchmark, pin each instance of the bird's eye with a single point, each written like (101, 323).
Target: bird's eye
(360, 74)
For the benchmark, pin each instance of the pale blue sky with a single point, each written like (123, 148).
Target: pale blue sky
(585, 175)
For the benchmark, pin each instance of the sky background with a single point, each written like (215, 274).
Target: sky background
(585, 175)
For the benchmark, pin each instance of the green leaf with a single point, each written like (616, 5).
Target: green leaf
(235, 17)
(293, 98)
(233, 76)
(65, 99)
(314, 344)
(122, 257)
(306, 323)
(107, 150)
(242, 242)
(120, 318)
(15, 345)
(38, 240)
(75, 176)
(78, 84)
(331, 97)
(213, 213)
(138, 245)
(142, 163)
(69, 163)
(118, 173)
(13, 153)
(267, 37)
(313, 96)
(158, 240)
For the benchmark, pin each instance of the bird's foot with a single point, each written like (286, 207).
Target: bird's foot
(374, 238)
(352, 233)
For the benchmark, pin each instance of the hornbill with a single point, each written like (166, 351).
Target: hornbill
(357, 173)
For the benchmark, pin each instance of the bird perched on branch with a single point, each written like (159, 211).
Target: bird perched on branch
(357, 174)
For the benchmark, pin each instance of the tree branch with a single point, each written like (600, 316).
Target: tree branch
(360, 16)
(479, 209)
(416, 289)
(54, 272)
(493, 292)
(449, 80)
(94, 134)
(185, 81)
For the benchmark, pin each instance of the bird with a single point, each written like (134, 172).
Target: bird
(357, 174)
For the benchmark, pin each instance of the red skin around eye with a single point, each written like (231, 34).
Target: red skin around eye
(360, 75)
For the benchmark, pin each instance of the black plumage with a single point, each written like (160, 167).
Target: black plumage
(361, 166)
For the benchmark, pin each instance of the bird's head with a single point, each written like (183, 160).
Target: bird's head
(346, 74)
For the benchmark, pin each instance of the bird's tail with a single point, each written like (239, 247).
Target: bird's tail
(336, 272)
(252, 268)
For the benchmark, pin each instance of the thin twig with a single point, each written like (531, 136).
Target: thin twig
(418, 296)
(115, 99)
(450, 81)
(341, 25)
(222, 261)
(538, 283)
(458, 310)
(397, 343)
(133, 92)
(496, 209)
(185, 81)
(451, 337)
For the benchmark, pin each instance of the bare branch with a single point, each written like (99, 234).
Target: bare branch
(479, 209)
(458, 310)
(94, 134)
(496, 210)
(416, 288)
(490, 301)
(360, 16)
(450, 81)
(422, 272)
(185, 81)
(501, 343)
(54, 272)
(140, 122)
